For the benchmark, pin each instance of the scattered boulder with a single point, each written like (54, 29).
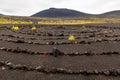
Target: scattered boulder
(50, 43)
(96, 72)
(60, 70)
(84, 72)
(1, 64)
(20, 41)
(2, 48)
(113, 72)
(40, 68)
(107, 73)
(55, 52)
(49, 34)
(61, 34)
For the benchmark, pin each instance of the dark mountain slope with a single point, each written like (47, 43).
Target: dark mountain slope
(55, 12)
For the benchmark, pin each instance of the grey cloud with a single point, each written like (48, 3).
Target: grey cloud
(8, 11)
(29, 7)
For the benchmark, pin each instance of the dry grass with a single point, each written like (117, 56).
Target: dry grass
(79, 21)
(56, 21)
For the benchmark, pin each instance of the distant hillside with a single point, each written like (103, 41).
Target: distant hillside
(1, 14)
(111, 14)
(56, 12)
(63, 12)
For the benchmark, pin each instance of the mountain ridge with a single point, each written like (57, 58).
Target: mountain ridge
(64, 12)
(60, 12)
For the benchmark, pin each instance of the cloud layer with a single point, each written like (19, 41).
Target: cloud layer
(29, 7)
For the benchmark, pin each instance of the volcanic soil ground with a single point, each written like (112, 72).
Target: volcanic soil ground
(27, 55)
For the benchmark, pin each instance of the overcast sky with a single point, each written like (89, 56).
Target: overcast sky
(29, 7)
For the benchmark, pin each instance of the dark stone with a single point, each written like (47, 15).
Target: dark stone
(9, 64)
(69, 72)
(39, 68)
(118, 71)
(96, 72)
(20, 41)
(47, 70)
(92, 36)
(19, 66)
(60, 70)
(49, 34)
(24, 67)
(56, 52)
(2, 48)
(88, 53)
(82, 42)
(113, 72)
(17, 50)
(84, 72)
(10, 35)
(1, 63)
(60, 34)
(56, 43)
(107, 73)
(51, 43)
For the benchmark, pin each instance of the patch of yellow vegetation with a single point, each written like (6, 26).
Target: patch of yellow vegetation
(15, 28)
(71, 38)
(33, 28)
(56, 21)
(78, 21)
(8, 20)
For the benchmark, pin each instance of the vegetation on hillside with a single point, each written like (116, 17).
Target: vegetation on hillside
(56, 21)
(14, 20)
(73, 21)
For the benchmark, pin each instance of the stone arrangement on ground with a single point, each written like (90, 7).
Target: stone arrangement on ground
(54, 52)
